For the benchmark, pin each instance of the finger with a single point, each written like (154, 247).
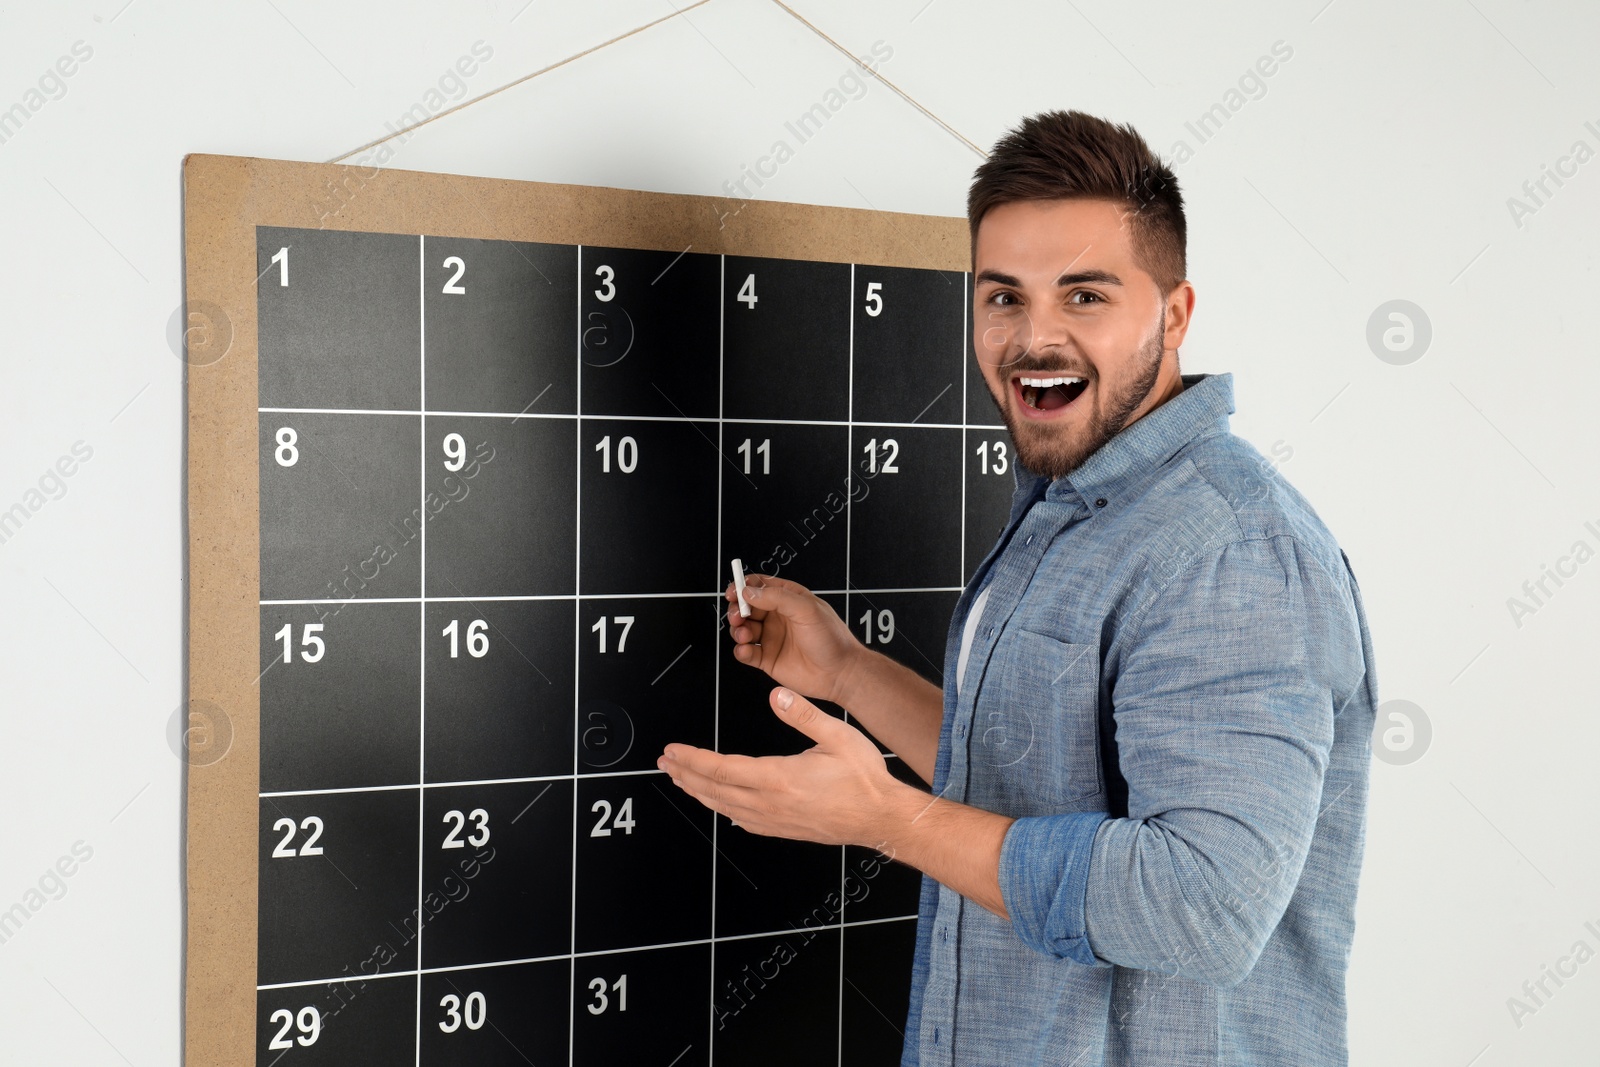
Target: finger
(809, 719)
(716, 795)
(720, 800)
(766, 593)
(742, 629)
(731, 594)
(731, 769)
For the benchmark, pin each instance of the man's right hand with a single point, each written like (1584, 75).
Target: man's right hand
(794, 636)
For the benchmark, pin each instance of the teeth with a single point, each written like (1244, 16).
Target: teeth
(1046, 383)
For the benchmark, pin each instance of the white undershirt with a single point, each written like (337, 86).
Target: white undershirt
(974, 613)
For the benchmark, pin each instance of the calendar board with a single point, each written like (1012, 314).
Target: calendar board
(467, 461)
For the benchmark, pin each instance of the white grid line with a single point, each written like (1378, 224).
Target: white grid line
(716, 676)
(577, 657)
(516, 415)
(458, 785)
(595, 596)
(849, 523)
(422, 601)
(589, 952)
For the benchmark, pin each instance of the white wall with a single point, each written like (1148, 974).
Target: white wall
(1376, 166)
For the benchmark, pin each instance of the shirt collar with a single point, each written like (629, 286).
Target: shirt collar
(1128, 458)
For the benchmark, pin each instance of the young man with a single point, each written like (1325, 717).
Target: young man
(1149, 758)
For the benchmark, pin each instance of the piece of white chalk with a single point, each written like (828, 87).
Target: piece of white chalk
(738, 589)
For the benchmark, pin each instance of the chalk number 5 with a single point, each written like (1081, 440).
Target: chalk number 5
(874, 305)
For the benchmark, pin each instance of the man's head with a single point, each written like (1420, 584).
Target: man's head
(1078, 243)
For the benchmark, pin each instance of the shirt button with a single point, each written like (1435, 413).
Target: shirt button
(1100, 503)
(941, 933)
(1029, 541)
(961, 730)
(989, 632)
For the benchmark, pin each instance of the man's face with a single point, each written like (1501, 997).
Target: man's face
(1075, 340)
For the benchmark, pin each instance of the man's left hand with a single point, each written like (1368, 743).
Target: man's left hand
(833, 793)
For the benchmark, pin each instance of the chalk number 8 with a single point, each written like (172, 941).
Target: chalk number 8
(286, 453)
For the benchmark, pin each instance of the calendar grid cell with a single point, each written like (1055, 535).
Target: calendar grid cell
(492, 739)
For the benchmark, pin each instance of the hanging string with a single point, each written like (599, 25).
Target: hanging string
(519, 81)
(951, 130)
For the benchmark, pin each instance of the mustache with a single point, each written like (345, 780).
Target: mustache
(1044, 368)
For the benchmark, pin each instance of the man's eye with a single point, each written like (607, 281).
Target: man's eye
(1085, 293)
(1000, 296)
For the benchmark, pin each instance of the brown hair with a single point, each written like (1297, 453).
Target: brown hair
(1072, 155)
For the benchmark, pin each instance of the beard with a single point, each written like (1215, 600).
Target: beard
(1044, 448)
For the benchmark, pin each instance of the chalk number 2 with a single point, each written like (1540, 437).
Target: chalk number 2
(285, 849)
(454, 286)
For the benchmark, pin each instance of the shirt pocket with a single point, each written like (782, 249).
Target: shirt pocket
(1036, 725)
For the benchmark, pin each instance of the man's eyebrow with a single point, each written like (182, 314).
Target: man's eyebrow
(1099, 277)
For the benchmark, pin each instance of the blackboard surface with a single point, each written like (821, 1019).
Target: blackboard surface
(494, 487)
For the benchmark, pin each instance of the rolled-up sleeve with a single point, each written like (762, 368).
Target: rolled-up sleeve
(1224, 695)
(1044, 874)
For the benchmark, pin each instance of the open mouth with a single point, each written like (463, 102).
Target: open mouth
(1049, 393)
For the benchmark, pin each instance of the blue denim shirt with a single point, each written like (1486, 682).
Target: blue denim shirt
(1171, 688)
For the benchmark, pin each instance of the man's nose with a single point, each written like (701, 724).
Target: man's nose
(1047, 331)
